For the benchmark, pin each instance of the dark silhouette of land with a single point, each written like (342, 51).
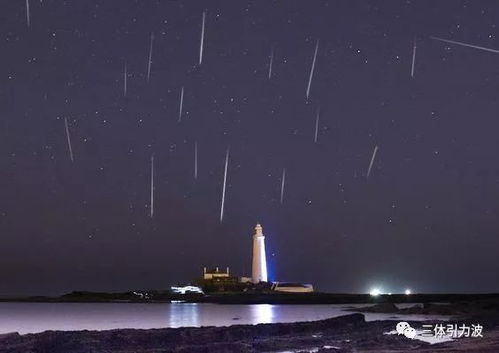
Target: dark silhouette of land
(256, 297)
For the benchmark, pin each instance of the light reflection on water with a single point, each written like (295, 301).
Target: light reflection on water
(176, 318)
(37, 317)
(263, 313)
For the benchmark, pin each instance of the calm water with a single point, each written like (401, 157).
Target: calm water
(38, 317)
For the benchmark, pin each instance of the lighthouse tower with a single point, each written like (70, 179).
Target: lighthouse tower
(259, 267)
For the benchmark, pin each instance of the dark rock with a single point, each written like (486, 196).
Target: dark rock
(237, 338)
(6, 338)
(348, 333)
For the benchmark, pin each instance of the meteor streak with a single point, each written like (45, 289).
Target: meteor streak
(317, 124)
(125, 77)
(196, 160)
(283, 179)
(181, 104)
(413, 58)
(372, 161)
(152, 186)
(312, 68)
(466, 45)
(271, 61)
(225, 184)
(69, 140)
(202, 39)
(27, 13)
(149, 62)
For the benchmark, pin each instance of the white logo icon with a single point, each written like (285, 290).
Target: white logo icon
(410, 333)
(403, 328)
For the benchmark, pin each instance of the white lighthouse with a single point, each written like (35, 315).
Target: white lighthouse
(259, 266)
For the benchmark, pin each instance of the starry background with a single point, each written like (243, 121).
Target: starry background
(426, 218)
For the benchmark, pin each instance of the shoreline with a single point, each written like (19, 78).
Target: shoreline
(161, 297)
(348, 333)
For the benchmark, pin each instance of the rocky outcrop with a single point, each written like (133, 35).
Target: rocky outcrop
(463, 309)
(237, 338)
(346, 334)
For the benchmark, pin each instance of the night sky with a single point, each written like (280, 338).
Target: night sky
(425, 219)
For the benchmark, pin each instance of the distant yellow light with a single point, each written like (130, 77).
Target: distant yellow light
(375, 292)
(408, 292)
